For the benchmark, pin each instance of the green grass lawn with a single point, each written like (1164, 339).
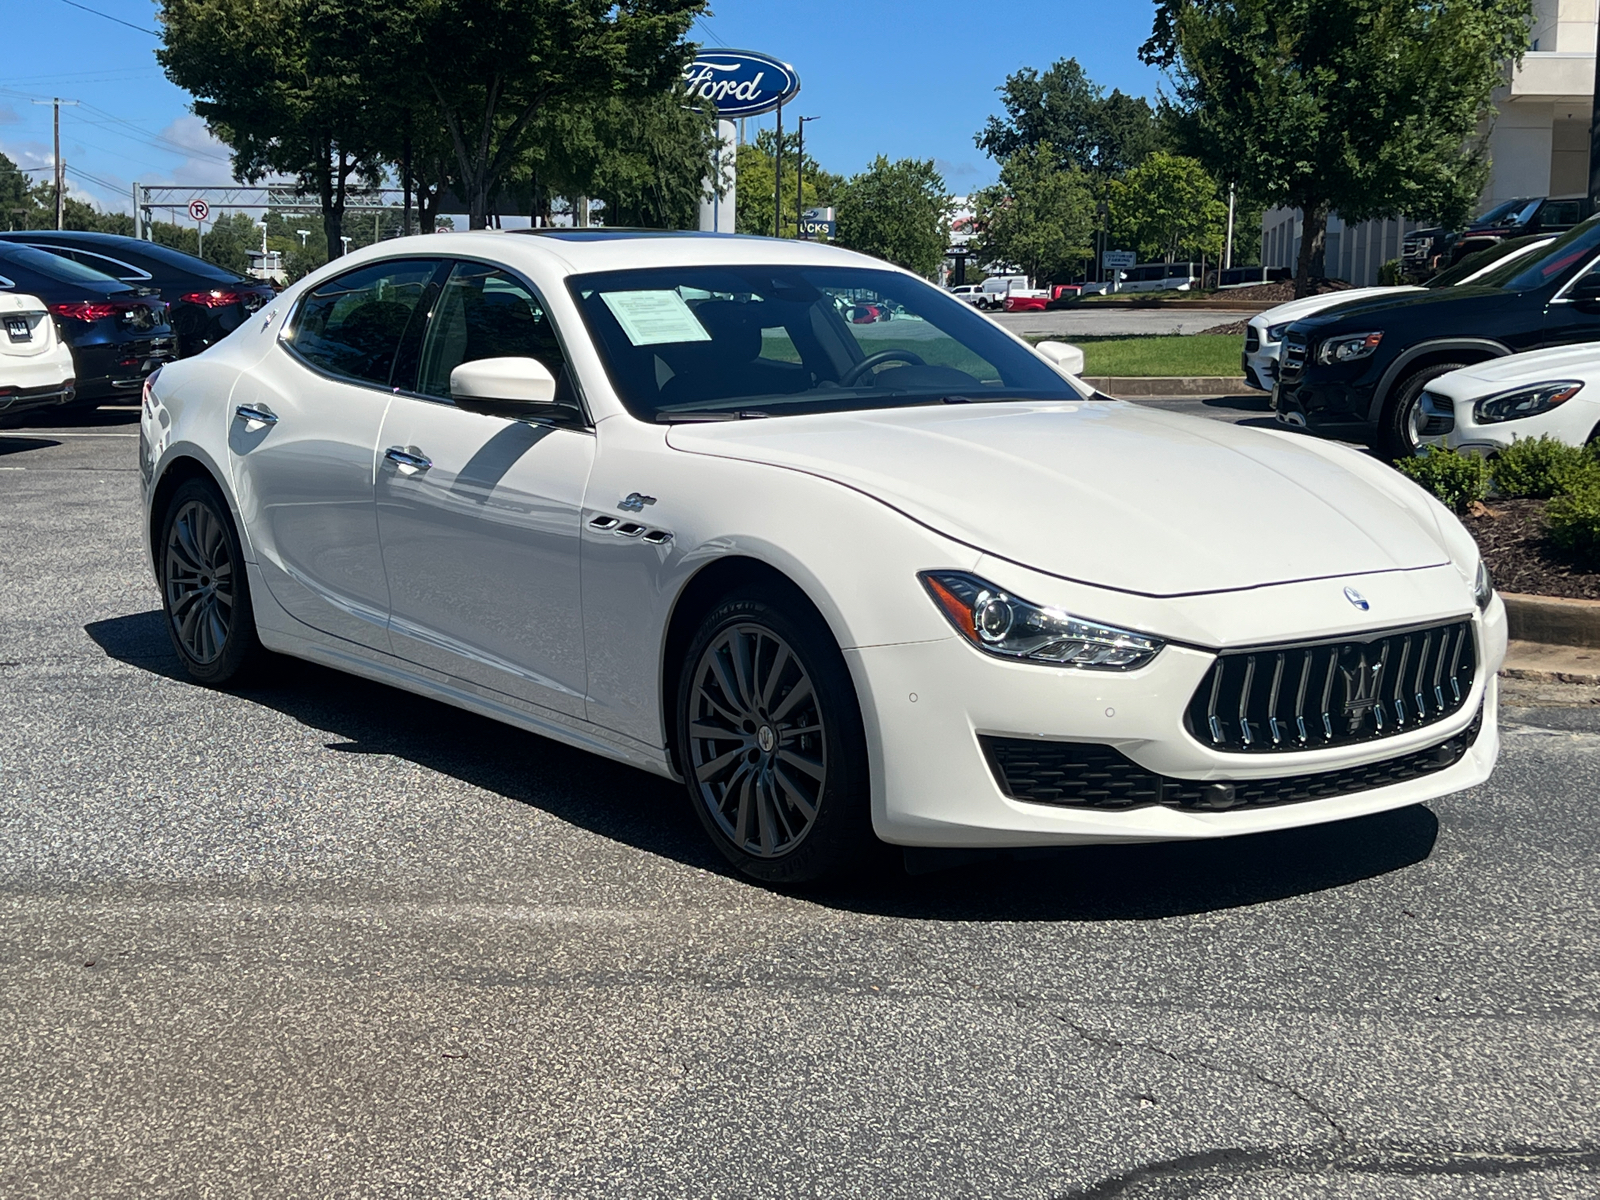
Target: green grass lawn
(1175, 354)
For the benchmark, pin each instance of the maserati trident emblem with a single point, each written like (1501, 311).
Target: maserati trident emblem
(635, 502)
(1361, 680)
(1356, 598)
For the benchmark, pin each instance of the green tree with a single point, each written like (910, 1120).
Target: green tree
(1168, 207)
(897, 211)
(1039, 217)
(1368, 107)
(276, 82)
(754, 191)
(1066, 110)
(490, 68)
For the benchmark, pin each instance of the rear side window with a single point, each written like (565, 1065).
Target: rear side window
(353, 324)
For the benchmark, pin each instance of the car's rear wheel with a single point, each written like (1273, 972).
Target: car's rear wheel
(204, 589)
(770, 740)
(1401, 431)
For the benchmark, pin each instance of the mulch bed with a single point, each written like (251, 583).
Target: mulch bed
(1511, 535)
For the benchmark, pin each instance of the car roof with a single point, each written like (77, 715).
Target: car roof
(582, 251)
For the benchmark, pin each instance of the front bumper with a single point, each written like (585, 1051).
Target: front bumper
(1333, 407)
(1575, 423)
(927, 704)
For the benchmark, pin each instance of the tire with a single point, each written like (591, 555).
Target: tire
(769, 726)
(1397, 437)
(205, 590)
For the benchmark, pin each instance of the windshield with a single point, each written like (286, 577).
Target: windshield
(688, 343)
(62, 270)
(1506, 214)
(1553, 264)
(1470, 268)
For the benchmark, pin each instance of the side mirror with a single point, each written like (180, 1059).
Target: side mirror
(504, 387)
(1065, 358)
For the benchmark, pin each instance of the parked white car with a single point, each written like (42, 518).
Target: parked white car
(653, 496)
(1483, 408)
(1263, 338)
(35, 364)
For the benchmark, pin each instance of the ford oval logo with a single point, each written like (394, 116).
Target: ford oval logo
(1356, 598)
(741, 83)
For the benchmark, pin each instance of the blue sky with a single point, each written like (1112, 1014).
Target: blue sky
(909, 80)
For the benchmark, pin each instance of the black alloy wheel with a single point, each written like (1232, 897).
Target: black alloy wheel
(204, 590)
(1400, 432)
(770, 741)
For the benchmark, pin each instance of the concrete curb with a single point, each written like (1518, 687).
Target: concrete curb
(1540, 662)
(1553, 620)
(1171, 385)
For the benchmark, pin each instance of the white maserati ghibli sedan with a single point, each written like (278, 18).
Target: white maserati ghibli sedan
(660, 497)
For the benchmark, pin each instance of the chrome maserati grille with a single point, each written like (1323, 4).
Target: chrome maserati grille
(1311, 695)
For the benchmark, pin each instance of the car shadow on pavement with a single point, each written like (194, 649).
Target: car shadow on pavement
(635, 808)
(13, 443)
(74, 416)
(1261, 403)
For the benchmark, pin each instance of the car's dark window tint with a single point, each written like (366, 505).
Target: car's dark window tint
(62, 270)
(1552, 264)
(352, 325)
(484, 312)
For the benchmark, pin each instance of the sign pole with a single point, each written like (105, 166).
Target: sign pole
(777, 179)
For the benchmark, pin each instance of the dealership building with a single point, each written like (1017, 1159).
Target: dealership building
(1539, 146)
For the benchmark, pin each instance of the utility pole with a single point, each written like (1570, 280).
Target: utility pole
(61, 172)
(1227, 250)
(800, 176)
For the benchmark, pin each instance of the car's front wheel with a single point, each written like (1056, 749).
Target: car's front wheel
(770, 740)
(204, 590)
(1401, 431)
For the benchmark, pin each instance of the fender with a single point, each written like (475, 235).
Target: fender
(219, 476)
(1396, 369)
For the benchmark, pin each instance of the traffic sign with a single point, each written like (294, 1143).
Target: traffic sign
(1118, 260)
(199, 210)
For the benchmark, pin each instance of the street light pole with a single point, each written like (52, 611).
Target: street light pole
(800, 176)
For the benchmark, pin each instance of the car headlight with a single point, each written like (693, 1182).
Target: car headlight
(1348, 348)
(1525, 402)
(1483, 586)
(1001, 624)
(1275, 332)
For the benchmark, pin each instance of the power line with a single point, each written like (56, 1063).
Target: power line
(94, 179)
(706, 29)
(109, 17)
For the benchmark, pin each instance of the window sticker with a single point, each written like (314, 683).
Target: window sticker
(654, 318)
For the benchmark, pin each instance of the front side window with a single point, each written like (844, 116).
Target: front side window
(352, 325)
(781, 340)
(484, 312)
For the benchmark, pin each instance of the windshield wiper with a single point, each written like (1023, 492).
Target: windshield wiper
(669, 417)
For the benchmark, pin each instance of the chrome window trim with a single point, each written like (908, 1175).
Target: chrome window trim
(1561, 294)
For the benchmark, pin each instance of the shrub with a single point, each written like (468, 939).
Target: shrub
(1457, 479)
(1391, 273)
(1573, 519)
(1538, 468)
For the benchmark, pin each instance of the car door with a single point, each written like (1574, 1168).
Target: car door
(478, 515)
(303, 438)
(1573, 314)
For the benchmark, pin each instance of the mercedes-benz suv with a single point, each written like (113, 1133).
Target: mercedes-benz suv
(1357, 372)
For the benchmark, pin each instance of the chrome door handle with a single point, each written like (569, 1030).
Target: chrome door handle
(255, 414)
(408, 459)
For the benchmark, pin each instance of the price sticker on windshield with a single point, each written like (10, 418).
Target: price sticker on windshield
(655, 318)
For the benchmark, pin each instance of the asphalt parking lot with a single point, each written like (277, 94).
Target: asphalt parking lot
(320, 937)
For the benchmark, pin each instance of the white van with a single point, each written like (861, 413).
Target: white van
(1160, 277)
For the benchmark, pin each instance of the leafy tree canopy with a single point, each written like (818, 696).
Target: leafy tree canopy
(1085, 127)
(1039, 217)
(1168, 207)
(1368, 107)
(897, 211)
(754, 190)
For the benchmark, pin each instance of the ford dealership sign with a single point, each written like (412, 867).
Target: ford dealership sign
(741, 83)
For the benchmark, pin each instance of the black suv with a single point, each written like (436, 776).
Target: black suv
(1424, 251)
(206, 302)
(1356, 371)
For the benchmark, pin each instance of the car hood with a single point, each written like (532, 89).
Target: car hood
(1103, 492)
(1581, 361)
(1467, 298)
(1294, 310)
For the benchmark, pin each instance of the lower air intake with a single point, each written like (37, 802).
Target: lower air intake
(1086, 775)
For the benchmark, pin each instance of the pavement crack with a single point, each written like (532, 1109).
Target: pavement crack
(1240, 1069)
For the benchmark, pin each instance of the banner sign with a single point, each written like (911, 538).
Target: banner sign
(741, 83)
